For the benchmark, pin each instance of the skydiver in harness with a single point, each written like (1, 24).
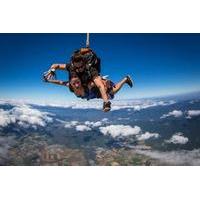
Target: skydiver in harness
(85, 67)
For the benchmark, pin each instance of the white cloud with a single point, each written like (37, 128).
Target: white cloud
(74, 123)
(89, 124)
(178, 138)
(174, 113)
(83, 128)
(147, 136)
(193, 113)
(6, 118)
(97, 124)
(70, 124)
(120, 130)
(181, 157)
(123, 118)
(24, 116)
(104, 120)
(93, 124)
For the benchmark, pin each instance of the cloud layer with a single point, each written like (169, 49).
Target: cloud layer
(25, 116)
(97, 104)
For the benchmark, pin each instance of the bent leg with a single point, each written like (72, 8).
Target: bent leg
(100, 84)
(103, 90)
(119, 85)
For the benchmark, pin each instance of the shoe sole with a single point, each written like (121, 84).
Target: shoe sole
(106, 109)
(130, 81)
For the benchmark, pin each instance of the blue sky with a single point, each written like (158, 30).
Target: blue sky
(160, 64)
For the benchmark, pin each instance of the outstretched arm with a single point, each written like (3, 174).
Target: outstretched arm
(58, 66)
(51, 72)
(57, 82)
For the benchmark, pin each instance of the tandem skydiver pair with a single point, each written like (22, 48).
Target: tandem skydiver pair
(85, 80)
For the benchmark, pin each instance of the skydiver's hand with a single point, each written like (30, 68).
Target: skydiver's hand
(49, 75)
(45, 78)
